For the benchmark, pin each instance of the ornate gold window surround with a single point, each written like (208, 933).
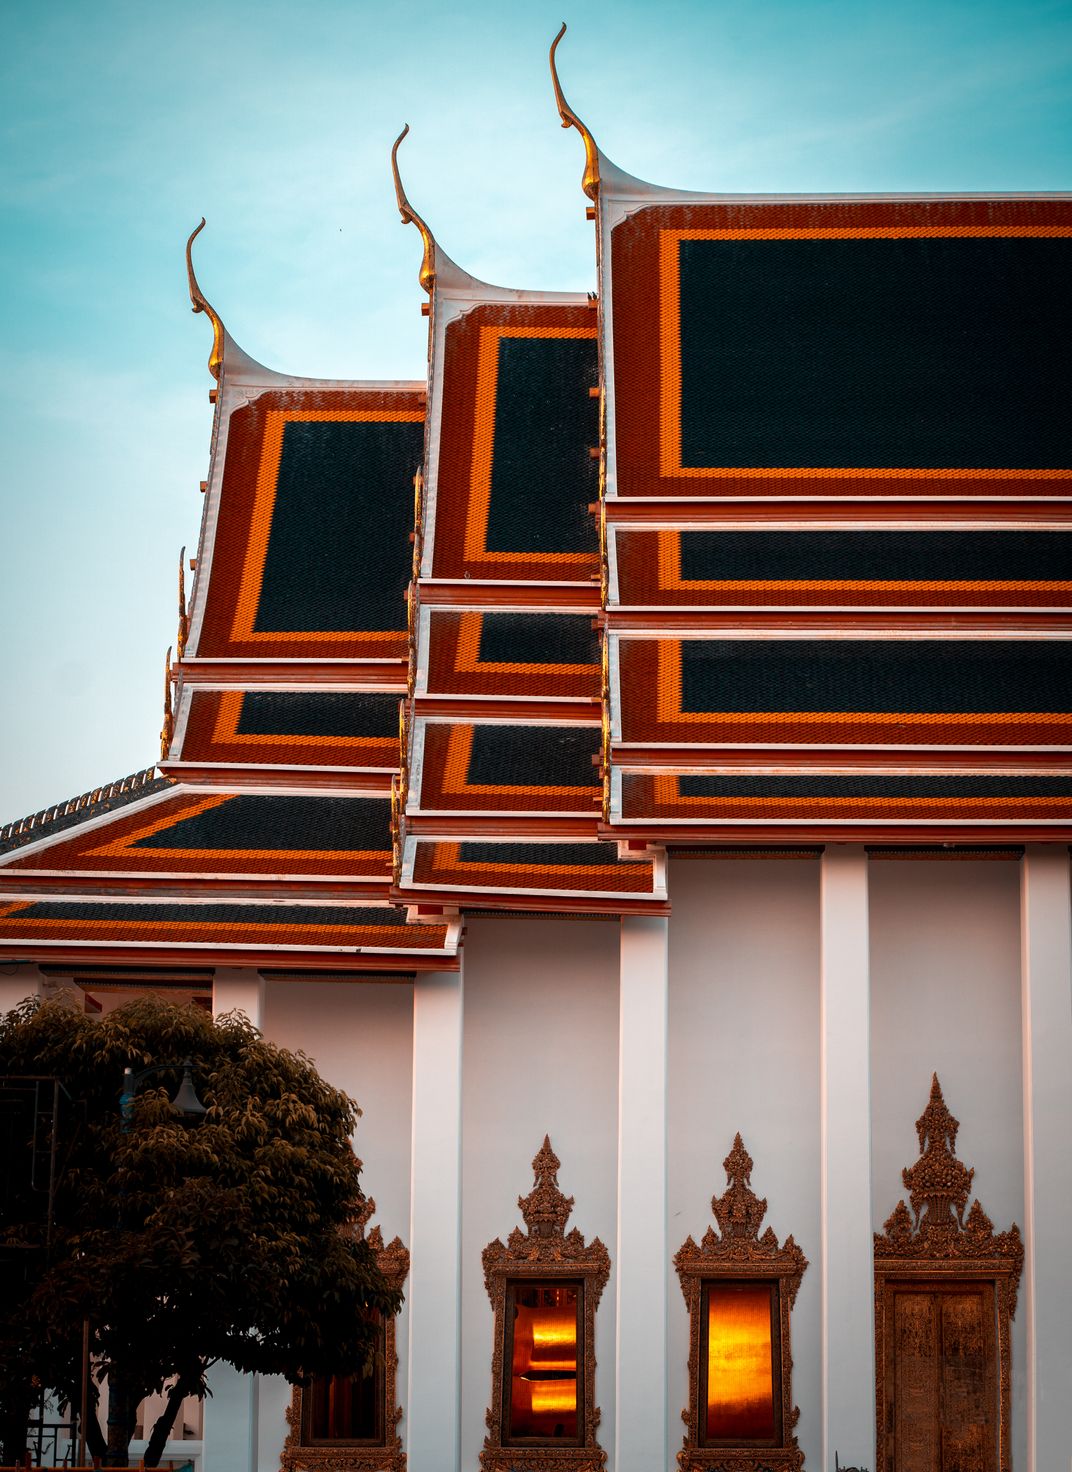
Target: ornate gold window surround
(738, 1255)
(545, 1254)
(934, 1244)
(388, 1454)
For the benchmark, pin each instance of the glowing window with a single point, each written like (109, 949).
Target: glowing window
(741, 1360)
(345, 1410)
(543, 1327)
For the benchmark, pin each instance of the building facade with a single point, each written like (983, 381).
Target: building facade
(633, 762)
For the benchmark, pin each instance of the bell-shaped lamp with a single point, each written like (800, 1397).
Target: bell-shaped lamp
(186, 1104)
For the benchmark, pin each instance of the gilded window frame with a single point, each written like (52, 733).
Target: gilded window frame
(545, 1252)
(387, 1455)
(739, 1253)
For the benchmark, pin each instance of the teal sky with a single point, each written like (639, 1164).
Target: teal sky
(123, 123)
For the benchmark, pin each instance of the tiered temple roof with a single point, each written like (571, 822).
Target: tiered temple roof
(765, 542)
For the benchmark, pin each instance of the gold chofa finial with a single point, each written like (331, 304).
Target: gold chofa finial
(411, 217)
(200, 303)
(590, 178)
(168, 730)
(184, 621)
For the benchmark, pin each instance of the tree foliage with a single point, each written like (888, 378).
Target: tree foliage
(183, 1245)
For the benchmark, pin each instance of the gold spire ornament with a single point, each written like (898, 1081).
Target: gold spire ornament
(590, 177)
(184, 621)
(606, 765)
(200, 303)
(168, 729)
(396, 831)
(410, 216)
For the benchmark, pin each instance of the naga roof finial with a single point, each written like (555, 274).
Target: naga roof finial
(184, 621)
(411, 217)
(590, 178)
(200, 303)
(168, 729)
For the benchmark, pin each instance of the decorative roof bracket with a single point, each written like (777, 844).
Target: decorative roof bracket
(590, 177)
(200, 303)
(168, 730)
(410, 216)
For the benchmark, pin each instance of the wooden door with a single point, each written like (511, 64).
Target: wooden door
(942, 1408)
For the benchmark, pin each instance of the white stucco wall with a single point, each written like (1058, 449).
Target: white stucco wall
(945, 998)
(360, 1036)
(540, 1056)
(744, 1055)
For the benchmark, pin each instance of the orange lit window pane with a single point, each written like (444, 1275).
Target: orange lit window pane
(342, 1408)
(543, 1360)
(740, 1378)
(345, 1409)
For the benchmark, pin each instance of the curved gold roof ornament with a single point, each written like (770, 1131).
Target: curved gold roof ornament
(167, 732)
(411, 217)
(590, 177)
(184, 619)
(200, 303)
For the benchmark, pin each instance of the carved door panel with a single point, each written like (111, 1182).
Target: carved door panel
(942, 1394)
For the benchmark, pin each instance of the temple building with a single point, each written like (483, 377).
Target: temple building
(633, 761)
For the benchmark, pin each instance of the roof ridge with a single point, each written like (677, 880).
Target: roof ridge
(86, 804)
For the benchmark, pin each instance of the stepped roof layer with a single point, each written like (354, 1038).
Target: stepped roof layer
(765, 543)
(267, 841)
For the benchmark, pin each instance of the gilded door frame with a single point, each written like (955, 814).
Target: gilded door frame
(936, 1243)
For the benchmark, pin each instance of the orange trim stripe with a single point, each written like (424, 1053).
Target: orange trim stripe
(230, 927)
(455, 775)
(670, 353)
(226, 733)
(776, 585)
(261, 521)
(171, 819)
(450, 855)
(487, 382)
(467, 655)
(669, 708)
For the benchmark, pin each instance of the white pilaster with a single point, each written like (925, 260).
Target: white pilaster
(231, 1411)
(238, 989)
(432, 1429)
(1046, 1292)
(17, 982)
(230, 1429)
(640, 1259)
(273, 1399)
(847, 1267)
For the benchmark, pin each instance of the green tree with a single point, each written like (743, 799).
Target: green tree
(184, 1245)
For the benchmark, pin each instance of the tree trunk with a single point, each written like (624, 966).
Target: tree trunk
(183, 1387)
(96, 1446)
(123, 1400)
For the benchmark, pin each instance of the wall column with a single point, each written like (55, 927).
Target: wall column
(231, 1412)
(17, 982)
(238, 988)
(230, 1421)
(432, 1429)
(640, 1261)
(848, 1282)
(1046, 1011)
